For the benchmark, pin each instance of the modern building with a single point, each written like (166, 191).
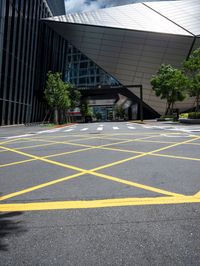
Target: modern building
(123, 45)
(131, 42)
(28, 49)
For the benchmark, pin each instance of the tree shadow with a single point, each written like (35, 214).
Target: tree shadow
(9, 225)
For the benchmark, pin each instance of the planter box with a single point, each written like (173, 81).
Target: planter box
(189, 121)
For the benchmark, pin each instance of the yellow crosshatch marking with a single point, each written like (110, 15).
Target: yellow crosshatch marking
(103, 147)
(88, 147)
(168, 198)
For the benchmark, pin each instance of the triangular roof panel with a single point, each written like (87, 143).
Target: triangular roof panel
(133, 17)
(185, 13)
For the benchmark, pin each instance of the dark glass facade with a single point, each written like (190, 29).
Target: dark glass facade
(83, 72)
(28, 50)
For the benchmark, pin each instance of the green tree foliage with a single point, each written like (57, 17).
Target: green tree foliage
(86, 111)
(192, 71)
(119, 111)
(74, 96)
(169, 84)
(57, 93)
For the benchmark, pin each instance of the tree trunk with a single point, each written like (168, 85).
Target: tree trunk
(197, 102)
(56, 116)
(172, 107)
(168, 108)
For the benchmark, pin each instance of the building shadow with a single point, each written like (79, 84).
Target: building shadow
(9, 225)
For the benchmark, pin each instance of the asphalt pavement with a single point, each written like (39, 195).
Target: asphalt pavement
(107, 193)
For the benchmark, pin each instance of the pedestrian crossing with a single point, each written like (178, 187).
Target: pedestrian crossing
(97, 128)
(129, 127)
(116, 128)
(121, 127)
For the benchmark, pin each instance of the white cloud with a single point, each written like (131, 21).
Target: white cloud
(88, 5)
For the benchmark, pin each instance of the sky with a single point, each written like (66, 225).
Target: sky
(88, 5)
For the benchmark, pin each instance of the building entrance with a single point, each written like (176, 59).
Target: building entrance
(103, 113)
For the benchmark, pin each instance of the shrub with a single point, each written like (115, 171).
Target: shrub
(194, 115)
(184, 115)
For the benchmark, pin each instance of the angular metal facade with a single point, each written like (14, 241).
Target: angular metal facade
(131, 42)
(28, 49)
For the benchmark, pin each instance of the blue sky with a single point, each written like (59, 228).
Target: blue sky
(87, 5)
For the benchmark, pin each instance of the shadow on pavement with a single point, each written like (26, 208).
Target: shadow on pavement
(9, 225)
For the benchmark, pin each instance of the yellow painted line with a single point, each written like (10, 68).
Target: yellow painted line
(142, 155)
(110, 144)
(35, 146)
(176, 157)
(77, 144)
(197, 194)
(104, 176)
(66, 153)
(134, 184)
(120, 150)
(74, 136)
(14, 143)
(10, 140)
(15, 163)
(166, 142)
(68, 141)
(43, 159)
(65, 142)
(174, 145)
(92, 171)
(30, 189)
(88, 147)
(89, 204)
(103, 147)
(153, 141)
(48, 156)
(119, 162)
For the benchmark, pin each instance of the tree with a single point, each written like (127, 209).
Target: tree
(74, 96)
(86, 111)
(119, 111)
(192, 71)
(169, 84)
(56, 93)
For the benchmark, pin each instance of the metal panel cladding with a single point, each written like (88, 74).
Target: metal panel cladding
(185, 13)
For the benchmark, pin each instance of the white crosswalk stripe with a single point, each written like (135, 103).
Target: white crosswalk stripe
(115, 128)
(49, 131)
(84, 129)
(131, 127)
(147, 126)
(68, 130)
(100, 128)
